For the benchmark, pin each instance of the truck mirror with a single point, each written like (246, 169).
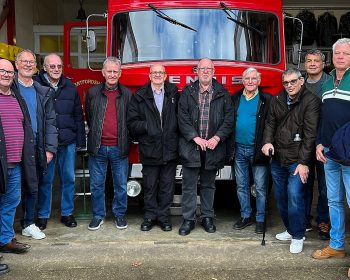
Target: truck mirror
(91, 41)
(295, 54)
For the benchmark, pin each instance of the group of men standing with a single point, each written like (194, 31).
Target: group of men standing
(203, 127)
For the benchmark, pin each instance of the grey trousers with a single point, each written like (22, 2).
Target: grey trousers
(189, 192)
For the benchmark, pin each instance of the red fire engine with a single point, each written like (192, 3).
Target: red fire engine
(234, 34)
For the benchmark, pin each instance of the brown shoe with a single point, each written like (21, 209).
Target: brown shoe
(14, 247)
(328, 252)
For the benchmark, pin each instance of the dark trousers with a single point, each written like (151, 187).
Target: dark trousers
(159, 186)
(189, 191)
(322, 203)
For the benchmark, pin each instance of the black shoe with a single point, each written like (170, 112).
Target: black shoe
(147, 224)
(95, 224)
(259, 227)
(69, 221)
(4, 268)
(41, 223)
(323, 231)
(243, 223)
(208, 224)
(308, 227)
(186, 227)
(165, 226)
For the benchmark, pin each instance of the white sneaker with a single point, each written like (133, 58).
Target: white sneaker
(296, 246)
(34, 232)
(285, 236)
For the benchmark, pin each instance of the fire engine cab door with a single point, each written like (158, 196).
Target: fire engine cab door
(81, 66)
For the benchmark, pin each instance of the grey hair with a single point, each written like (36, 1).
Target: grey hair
(291, 71)
(203, 59)
(114, 60)
(250, 70)
(342, 41)
(51, 54)
(18, 56)
(316, 52)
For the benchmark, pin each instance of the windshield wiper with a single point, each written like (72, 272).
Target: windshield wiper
(169, 19)
(249, 27)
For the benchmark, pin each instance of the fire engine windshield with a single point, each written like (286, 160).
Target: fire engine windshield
(145, 36)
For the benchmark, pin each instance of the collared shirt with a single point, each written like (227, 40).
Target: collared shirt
(158, 98)
(54, 86)
(252, 97)
(204, 99)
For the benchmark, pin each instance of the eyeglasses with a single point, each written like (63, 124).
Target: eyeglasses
(4, 72)
(254, 79)
(54, 66)
(30, 62)
(157, 73)
(291, 82)
(205, 69)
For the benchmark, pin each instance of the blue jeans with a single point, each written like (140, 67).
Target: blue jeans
(322, 203)
(244, 156)
(98, 170)
(338, 185)
(66, 165)
(289, 195)
(8, 204)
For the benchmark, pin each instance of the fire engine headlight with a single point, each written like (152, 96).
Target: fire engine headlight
(134, 188)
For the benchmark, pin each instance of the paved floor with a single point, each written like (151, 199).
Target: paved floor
(110, 253)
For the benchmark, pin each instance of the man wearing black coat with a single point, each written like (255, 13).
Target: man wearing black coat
(71, 136)
(205, 122)
(250, 106)
(38, 99)
(152, 120)
(17, 159)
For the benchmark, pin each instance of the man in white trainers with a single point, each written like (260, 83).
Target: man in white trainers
(43, 122)
(290, 132)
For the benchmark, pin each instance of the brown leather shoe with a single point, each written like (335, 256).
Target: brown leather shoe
(328, 252)
(14, 247)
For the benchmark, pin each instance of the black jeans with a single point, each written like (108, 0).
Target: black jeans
(159, 186)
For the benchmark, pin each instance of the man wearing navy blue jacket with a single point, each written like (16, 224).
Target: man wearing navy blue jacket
(71, 135)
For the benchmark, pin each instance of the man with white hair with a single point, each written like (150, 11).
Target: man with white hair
(108, 142)
(250, 106)
(335, 114)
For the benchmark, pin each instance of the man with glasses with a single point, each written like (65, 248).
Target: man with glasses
(17, 161)
(314, 80)
(205, 122)
(290, 133)
(250, 106)
(38, 99)
(108, 142)
(71, 135)
(152, 121)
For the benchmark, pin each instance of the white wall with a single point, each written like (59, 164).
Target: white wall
(24, 24)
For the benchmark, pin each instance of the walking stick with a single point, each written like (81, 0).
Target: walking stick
(267, 193)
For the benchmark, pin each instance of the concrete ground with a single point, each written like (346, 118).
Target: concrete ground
(110, 253)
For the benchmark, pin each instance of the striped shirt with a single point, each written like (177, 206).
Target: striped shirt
(12, 124)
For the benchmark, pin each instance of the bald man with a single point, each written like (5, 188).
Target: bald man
(152, 120)
(17, 158)
(205, 122)
(71, 136)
